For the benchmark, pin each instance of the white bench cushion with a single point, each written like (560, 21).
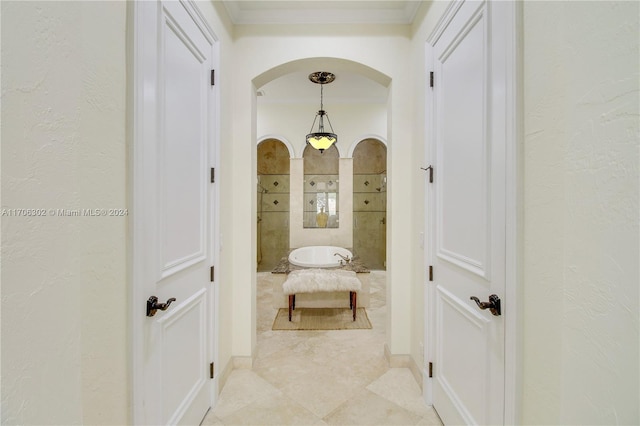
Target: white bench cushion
(319, 280)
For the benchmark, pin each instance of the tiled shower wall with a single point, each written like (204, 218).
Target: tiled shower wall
(272, 204)
(370, 203)
(369, 219)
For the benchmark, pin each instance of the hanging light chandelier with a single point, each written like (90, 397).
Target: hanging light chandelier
(321, 140)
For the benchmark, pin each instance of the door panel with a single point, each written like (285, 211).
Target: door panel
(460, 376)
(183, 327)
(468, 251)
(184, 138)
(463, 234)
(174, 212)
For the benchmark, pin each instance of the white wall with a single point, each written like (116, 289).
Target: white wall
(64, 281)
(351, 122)
(581, 78)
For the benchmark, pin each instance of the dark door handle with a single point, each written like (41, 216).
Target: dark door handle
(493, 304)
(153, 305)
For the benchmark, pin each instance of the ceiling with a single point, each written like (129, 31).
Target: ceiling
(246, 12)
(348, 86)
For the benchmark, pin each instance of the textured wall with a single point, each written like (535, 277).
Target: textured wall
(64, 295)
(581, 213)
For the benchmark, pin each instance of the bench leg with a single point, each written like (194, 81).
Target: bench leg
(353, 302)
(291, 304)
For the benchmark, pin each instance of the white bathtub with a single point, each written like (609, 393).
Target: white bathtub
(318, 256)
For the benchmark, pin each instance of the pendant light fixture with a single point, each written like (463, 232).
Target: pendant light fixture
(321, 140)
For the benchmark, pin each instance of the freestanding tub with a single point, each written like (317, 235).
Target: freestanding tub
(318, 256)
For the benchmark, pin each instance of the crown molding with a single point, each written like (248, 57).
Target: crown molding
(332, 12)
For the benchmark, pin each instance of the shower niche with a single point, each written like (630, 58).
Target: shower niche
(321, 183)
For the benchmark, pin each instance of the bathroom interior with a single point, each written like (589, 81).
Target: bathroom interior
(321, 180)
(337, 197)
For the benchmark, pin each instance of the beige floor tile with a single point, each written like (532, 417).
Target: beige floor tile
(243, 387)
(399, 386)
(211, 420)
(430, 419)
(336, 377)
(367, 408)
(272, 410)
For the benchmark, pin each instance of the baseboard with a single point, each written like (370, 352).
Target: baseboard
(222, 378)
(404, 361)
(417, 374)
(235, 363)
(242, 362)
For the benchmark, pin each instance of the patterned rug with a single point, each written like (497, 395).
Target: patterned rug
(321, 319)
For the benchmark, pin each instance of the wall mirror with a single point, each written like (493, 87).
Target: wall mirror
(321, 183)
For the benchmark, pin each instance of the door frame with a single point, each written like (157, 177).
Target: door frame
(512, 31)
(138, 59)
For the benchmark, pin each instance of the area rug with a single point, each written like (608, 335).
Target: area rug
(321, 319)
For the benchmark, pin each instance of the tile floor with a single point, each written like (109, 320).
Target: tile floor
(321, 377)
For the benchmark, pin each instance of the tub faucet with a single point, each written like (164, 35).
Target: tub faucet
(346, 259)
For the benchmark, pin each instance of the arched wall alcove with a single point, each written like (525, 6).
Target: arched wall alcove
(370, 202)
(281, 139)
(272, 203)
(359, 139)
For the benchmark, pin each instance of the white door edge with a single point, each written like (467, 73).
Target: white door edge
(514, 214)
(135, 270)
(512, 18)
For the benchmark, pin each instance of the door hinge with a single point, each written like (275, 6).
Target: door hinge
(213, 175)
(212, 273)
(212, 370)
(430, 369)
(430, 273)
(213, 77)
(430, 170)
(431, 79)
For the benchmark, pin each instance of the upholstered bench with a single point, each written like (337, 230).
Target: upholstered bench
(320, 280)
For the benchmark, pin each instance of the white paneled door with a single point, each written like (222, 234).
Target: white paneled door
(467, 216)
(173, 200)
